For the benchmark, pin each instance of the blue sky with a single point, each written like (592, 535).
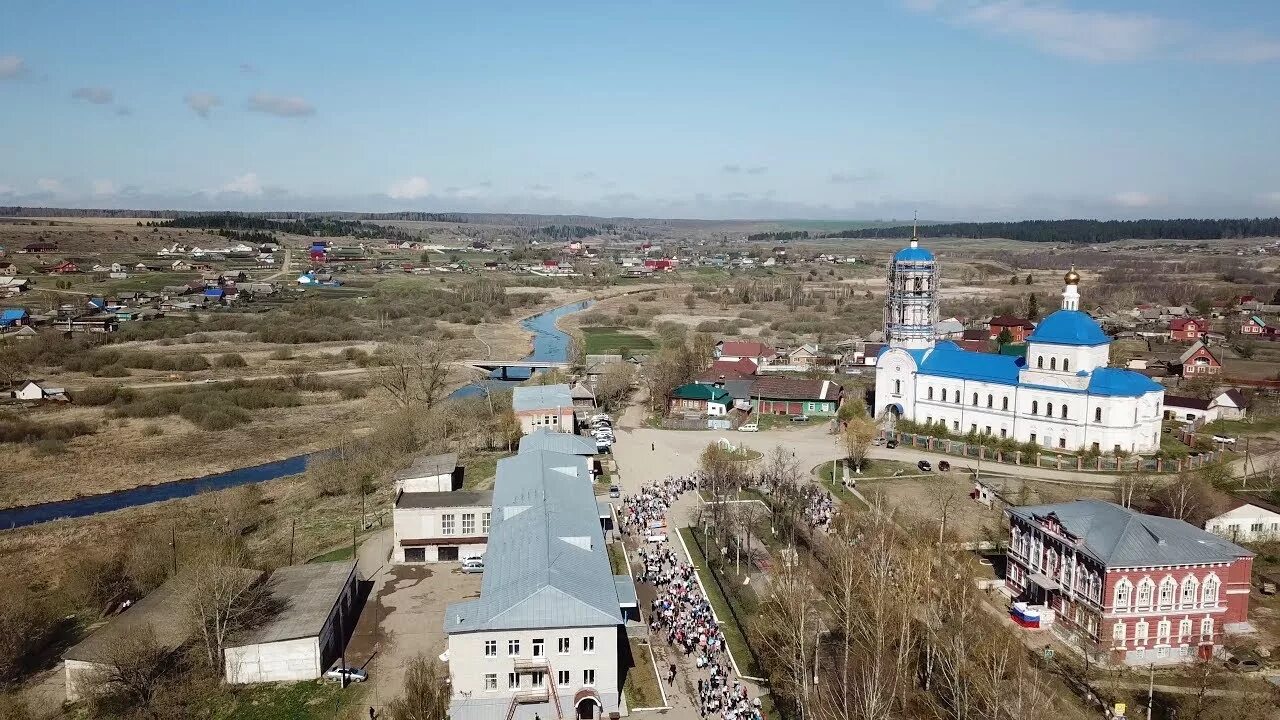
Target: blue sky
(852, 109)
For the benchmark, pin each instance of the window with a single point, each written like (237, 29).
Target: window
(1040, 362)
(1064, 364)
(955, 425)
(1256, 527)
(957, 397)
(1140, 632)
(1209, 596)
(513, 680)
(589, 644)
(991, 401)
(415, 555)
(491, 681)
(468, 523)
(897, 386)
(1004, 432)
(1124, 591)
(562, 646)
(446, 524)
(485, 518)
(1184, 629)
(588, 677)
(1035, 406)
(975, 399)
(1064, 411)
(513, 648)
(1097, 414)
(1062, 443)
(1162, 632)
(562, 678)
(1032, 439)
(1117, 633)
(1146, 589)
(1190, 588)
(928, 420)
(1004, 403)
(537, 678)
(1206, 629)
(1048, 409)
(944, 394)
(973, 428)
(930, 392)
(490, 648)
(539, 647)
(1053, 363)
(988, 430)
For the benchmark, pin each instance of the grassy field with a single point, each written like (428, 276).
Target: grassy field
(641, 684)
(618, 558)
(342, 553)
(314, 700)
(607, 340)
(734, 635)
(870, 469)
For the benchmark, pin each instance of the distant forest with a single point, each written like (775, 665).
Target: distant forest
(20, 211)
(573, 232)
(1085, 231)
(251, 228)
(782, 236)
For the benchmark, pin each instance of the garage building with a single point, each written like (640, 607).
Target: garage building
(317, 611)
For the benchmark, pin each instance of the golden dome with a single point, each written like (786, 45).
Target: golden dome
(1072, 277)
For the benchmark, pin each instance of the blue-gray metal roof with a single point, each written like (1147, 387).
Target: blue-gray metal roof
(546, 565)
(1121, 537)
(540, 397)
(544, 439)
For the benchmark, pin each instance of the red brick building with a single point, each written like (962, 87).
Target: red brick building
(1198, 361)
(1019, 328)
(1187, 329)
(1137, 589)
(727, 370)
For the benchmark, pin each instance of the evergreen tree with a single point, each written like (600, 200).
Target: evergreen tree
(1033, 307)
(1028, 281)
(1005, 337)
(1013, 280)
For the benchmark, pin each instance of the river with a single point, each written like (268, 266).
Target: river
(549, 344)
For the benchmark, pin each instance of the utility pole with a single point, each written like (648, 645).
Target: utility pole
(1151, 688)
(173, 544)
(293, 535)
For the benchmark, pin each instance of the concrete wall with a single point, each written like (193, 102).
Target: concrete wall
(274, 662)
(554, 419)
(79, 676)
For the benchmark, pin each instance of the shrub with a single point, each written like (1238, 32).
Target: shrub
(231, 360)
(103, 395)
(282, 354)
(51, 446)
(352, 391)
(190, 361)
(113, 370)
(152, 430)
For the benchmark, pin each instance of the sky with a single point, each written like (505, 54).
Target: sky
(752, 109)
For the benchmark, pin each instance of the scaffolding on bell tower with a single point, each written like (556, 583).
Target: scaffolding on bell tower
(911, 305)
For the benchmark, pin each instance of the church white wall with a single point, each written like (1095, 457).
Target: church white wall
(1076, 358)
(895, 382)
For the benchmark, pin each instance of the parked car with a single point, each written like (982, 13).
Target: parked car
(1224, 439)
(350, 674)
(472, 565)
(615, 491)
(924, 465)
(799, 418)
(878, 441)
(1244, 660)
(749, 427)
(944, 466)
(891, 444)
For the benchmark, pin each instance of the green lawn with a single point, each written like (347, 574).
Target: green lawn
(313, 700)
(1239, 427)
(608, 340)
(618, 558)
(641, 683)
(871, 468)
(734, 635)
(342, 553)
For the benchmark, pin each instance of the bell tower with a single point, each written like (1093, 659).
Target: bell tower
(911, 305)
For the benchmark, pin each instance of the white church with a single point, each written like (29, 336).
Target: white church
(1061, 395)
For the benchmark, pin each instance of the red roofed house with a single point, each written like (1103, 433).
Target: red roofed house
(1019, 328)
(64, 267)
(656, 264)
(728, 370)
(1198, 361)
(757, 352)
(1253, 325)
(779, 395)
(1187, 329)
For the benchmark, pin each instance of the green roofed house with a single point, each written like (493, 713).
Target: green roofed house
(699, 399)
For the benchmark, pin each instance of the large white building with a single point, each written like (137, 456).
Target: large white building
(1061, 395)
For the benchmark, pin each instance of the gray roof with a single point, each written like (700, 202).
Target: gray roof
(445, 499)
(429, 466)
(307, 594)
(597, 364)
(544, 439)
(540, 397)
(738, 389)
(1120, 537)
(546, 565)
(162, 609)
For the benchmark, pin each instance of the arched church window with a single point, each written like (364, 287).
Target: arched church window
(991, 402)
(1035, 406)
(1097, 414)
(1048, 409)
(1040, 361)
(897, 386)
(930, 392)
(1064, 364)
(1064, 411)
(1053, 363)
(975, 399)
(1004, 403)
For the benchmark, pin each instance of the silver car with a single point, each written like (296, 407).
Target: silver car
(352, 675)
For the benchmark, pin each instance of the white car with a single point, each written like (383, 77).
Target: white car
(749, 427)
(1224, 439)
(353, 675)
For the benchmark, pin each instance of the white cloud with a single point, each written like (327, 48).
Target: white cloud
(1271, 199)
(280, 105)
(1103, 36)
(409, 189)
(246, 184)
(95, 95)
(103, 187)
(11, 66)
(49, 185)
(201, 102)
(1136, 199)
(7, 189)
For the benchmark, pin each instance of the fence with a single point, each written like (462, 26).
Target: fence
(1055, 461)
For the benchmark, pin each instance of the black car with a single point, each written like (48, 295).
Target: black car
(891, 444)
(924, 465)
(943, 466)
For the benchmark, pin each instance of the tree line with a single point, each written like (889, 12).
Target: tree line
(225, 223)
(781, 236)
(1086, 231)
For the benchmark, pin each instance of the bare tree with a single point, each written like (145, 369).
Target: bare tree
(614, 385)
(426, 692)
(222, 597)
(1131, 487)
(789, 634)
(133, 669)
(416, 373)
(858, 434)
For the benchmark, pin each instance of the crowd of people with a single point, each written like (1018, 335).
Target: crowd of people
(680, 611)
(819, 506)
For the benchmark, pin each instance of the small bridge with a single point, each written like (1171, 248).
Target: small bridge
(505, 366)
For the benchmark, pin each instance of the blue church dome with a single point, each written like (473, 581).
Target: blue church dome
(913, 254)
(1069, 327)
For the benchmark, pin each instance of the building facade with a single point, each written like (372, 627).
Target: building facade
(547, 407)
(440, 526)
(1139, 589)
(1060, 396)
(1247, 522)
(1187, 329)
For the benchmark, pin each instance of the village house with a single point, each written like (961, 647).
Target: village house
(721, 370)
(776, 395)
(700, 399)
(1253, 325)
(1019, 328)
(1247, 521)
(65, 267)
(1141, 589)
(11, 286)
(32, 390)
(1187, 329)
(13, 317)
(1199, 361)
(543, 406)
(39, 247)
(8, 269)
(804, 356)
(1228, 405)
(757, 352)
